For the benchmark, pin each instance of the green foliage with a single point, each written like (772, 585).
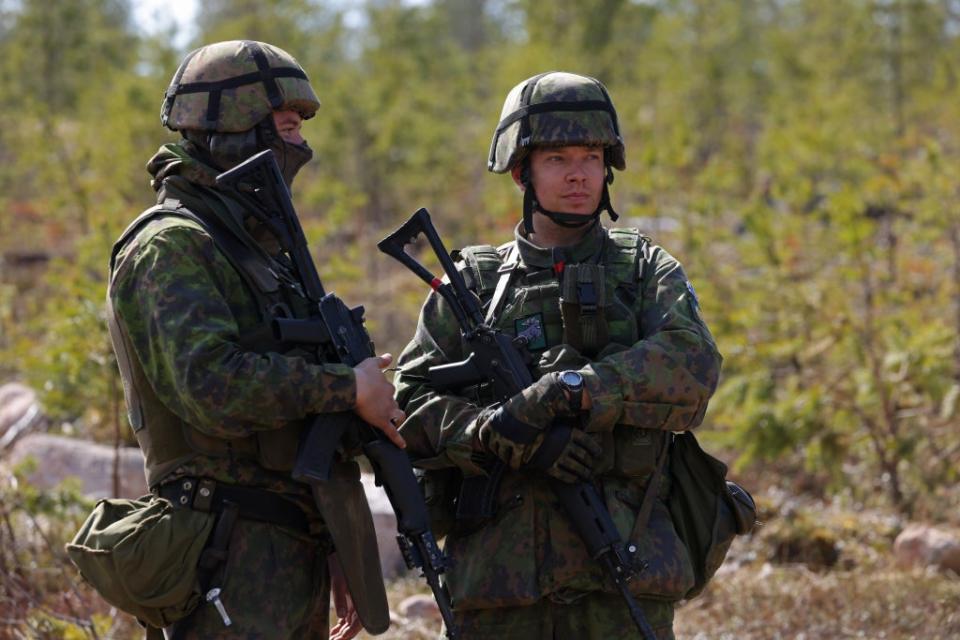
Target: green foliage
(800, 158)
(40, 595)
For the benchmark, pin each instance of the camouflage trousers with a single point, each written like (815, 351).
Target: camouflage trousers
(274, 584)
(595, 616)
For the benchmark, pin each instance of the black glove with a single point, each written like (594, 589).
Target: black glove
(560, 358)
(566, 453)
(524, 431)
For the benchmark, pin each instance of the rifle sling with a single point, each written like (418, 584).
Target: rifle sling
(506, 270)
(653, 484)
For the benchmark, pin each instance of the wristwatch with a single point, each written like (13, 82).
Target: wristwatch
(572, 382)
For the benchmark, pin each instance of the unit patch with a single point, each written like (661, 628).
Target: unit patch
(530, 328)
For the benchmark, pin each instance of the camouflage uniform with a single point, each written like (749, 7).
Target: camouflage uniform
(206, 397)
(526, 573)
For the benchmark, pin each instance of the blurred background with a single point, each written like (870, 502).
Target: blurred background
(800, 157)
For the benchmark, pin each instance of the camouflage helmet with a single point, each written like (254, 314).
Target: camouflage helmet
(555, 109)
(231, 86)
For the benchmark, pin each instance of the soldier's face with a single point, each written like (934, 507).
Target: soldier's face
(288, 126)
(568, 179)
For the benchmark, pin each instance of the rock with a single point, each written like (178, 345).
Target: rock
(420, 606)
(20, 412)
(59, 457)
(925, 546)
(385, 522)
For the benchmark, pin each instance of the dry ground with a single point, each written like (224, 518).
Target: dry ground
(863, 595)
(792, 602)
(813, 571)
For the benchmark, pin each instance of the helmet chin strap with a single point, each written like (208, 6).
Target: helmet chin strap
(532, 205)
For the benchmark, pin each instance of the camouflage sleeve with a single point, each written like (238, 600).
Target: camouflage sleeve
(665, 380)
(172, 290)
(440, 429)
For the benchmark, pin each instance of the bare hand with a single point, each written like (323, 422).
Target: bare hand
(375, 403)
(348, 622)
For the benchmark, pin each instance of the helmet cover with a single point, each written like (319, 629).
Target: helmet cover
(555, 109)
(231, 86)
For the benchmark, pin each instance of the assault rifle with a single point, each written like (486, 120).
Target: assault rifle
(338, 332)
(497, 361)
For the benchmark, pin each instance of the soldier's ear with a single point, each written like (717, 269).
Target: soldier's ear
(516, 173)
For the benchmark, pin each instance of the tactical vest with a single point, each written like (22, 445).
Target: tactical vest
(595, 308)
(166, 440)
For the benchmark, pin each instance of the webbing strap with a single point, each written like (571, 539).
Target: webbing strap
(266, 73)
(234, 82)
(507, 269)
(653, 485)
(171, 92)
(524, 125)
(549, 107)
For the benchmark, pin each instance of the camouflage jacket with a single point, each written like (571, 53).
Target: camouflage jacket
(184, 309)
(655, 374)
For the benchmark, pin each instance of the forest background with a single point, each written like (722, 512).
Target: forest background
(800, 157)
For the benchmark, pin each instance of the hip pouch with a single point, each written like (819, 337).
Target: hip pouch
(707, 510)
(142, 556)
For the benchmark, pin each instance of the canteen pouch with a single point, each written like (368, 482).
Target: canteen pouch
(707, 510)
(142, 556)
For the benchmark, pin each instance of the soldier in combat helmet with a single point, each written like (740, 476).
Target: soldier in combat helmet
(216, 405)
(617, 343)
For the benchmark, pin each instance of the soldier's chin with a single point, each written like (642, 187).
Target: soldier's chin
(577, 208)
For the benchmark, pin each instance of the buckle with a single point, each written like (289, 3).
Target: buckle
(587, 297)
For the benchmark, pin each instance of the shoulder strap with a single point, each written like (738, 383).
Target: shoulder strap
(251, 266)
(483, 262)
(649, 495)
(624, 255)
(134, 227)
(506, 271)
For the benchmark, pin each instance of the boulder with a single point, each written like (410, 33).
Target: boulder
(59, 457)
(419, 607)
(20, 413)
(925, 546)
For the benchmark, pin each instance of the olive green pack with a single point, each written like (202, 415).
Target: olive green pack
(142, 556)
(707, 510)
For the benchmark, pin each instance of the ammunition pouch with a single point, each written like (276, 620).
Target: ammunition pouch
(582, 304)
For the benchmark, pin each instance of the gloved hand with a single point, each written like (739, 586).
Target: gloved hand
(566, 453)
(522, 431)
(560, 358)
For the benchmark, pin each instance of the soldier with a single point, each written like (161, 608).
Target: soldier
(617, 343)
(216, 405)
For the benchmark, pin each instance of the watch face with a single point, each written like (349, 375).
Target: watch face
(572, 379)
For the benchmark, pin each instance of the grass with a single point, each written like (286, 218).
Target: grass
(773, 586)
(768, 602)
(757, 596)
(792, 601)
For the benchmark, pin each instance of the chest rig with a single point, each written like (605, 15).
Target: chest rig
(591, 305)
(274, 292)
